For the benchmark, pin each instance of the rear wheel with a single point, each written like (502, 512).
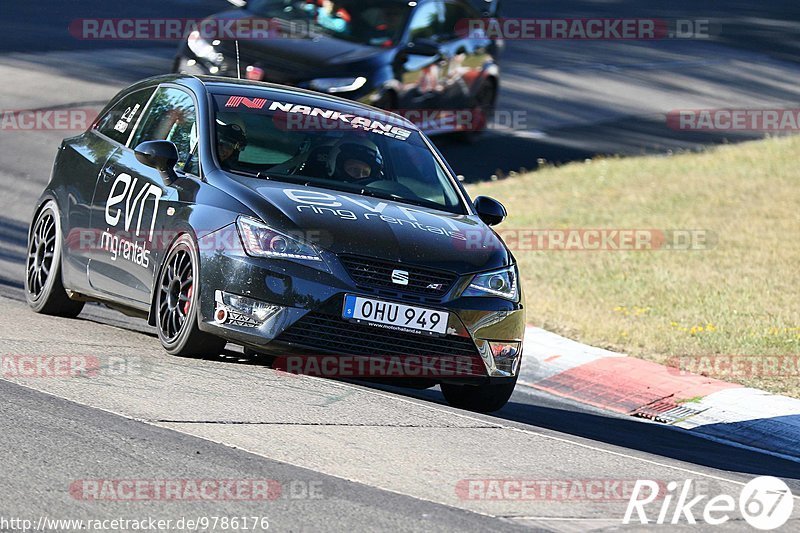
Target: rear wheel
(177, 302)
(44, 289)
(479, 398)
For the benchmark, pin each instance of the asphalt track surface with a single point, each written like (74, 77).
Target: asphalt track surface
(348, 456)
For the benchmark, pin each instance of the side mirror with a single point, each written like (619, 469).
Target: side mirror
(160, 155)
(424, 47)
(490, 210)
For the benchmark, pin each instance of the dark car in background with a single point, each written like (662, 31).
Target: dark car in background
(400, 55)
(212, 208)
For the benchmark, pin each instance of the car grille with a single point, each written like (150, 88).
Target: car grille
(330, 334)
(374, 274)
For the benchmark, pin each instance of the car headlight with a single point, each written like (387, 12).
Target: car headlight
(500, 283)
(338, 85)
(203, 48)
(260, 240)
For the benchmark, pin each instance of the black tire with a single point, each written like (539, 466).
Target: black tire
(485, 102)
(177, 303)
(387, 102)
(44, 289)
(263, 358)
(478, 398)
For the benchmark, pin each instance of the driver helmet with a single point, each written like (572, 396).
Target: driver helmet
(354, 158)
(233, 135)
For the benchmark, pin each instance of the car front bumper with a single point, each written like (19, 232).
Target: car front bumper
(300, 311)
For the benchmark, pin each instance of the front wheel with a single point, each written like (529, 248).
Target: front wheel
(44, 289)
(483, 107)
(479, 398)
(177, 300)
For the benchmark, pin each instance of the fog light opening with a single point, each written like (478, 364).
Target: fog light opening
(505, 355)
(243, 311)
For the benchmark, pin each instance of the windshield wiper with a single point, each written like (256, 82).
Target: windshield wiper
(300, 180)
(403, 199)
(242, 172)
(271, 177)
(376, 194)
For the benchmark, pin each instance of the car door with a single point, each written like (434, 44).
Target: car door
(133, 203)
(79, 165)
(421, 72)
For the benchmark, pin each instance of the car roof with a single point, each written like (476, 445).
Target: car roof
(217, 84)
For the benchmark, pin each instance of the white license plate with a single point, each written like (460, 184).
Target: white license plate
(397, 317)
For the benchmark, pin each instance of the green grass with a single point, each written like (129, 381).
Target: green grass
(740, 297)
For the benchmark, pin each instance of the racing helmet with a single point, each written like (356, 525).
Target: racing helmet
(232, 134)
(351, 148)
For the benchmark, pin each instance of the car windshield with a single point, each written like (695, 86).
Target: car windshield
(362, 154)
(371, 22)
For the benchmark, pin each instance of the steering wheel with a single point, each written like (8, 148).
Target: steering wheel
(392, 187)
(364, 182)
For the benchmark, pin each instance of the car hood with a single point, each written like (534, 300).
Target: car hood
(349, 223)
(291, 59)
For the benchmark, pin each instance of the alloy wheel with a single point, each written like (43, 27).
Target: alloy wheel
(175, 294)
(41, 253)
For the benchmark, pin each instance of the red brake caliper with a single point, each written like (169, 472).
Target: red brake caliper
(189, 303)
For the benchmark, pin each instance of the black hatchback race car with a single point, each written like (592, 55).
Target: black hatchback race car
(416, 58)
(288, 222)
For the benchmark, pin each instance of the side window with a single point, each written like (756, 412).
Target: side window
(118, 122)
(426, 22)
(170, 117)
(456, 18)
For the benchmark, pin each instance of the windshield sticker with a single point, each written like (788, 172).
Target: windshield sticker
(336, 118)
(250, 103)
(123, 123)
(296, 117)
